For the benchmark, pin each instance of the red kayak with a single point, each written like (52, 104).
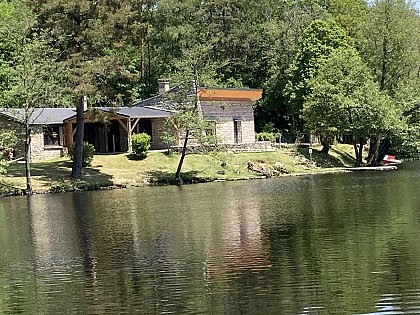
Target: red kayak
(390, 160)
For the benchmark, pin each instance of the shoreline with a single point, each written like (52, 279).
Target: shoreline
(92, 187)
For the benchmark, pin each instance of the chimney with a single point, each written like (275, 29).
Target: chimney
(163, 86)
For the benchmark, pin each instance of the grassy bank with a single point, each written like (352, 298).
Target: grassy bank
(159, 168)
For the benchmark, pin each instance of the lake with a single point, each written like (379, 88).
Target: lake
(322, 244)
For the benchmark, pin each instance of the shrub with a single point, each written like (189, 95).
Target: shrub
(140, 144)
(88, 150)
(266, 136)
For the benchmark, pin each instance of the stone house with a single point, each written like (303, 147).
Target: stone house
(110, 129)
(229, 108)
(47, 130)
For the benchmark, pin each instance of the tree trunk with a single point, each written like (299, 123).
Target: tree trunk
(142, 80)
(28, 158)
(373, 151)
(78, 150)
(377, 150)
(360, 155)
(356, 153)
(326, 144)
(384, 147)
(325, 149)
(178, 179)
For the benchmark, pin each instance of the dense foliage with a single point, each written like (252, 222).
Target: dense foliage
(140, 143)
(265, 136)
(115, 51)
(345, 101)
(8, 139)
(88, 151)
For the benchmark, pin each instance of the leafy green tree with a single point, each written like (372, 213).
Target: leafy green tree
(8, 140)
(283, 29)
(406, 142)
(35, 84)
(351, 15)
(391, 48)
(345, 101)
(32, 79)
(91, 36)
(391, 45)
(196, 69)
(16, 20)
(317, 42)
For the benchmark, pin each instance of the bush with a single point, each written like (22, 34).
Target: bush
(140, 144)
(88, 150)
(266, 136)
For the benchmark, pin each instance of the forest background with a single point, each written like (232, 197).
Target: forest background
(344, 69)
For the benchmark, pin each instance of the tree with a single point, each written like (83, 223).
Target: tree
(195, 69)
(283, 29)
(8, 140)
(91, 36)
(318, 40)
(345, 101)
(391, 46)
(16, 21)
(33, 74)
(351, 15)
(407, 140)
(35, 84)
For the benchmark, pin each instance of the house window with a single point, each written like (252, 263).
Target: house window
(237, 131)
(52, 135)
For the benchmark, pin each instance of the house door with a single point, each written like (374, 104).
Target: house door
(113, 137)
(91, 135)
(237, 131)
(145, 125)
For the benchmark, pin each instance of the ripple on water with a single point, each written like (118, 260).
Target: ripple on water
(342, 244)
(407, 302)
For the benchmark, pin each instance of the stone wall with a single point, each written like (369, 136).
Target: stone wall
(225, 113)
(259, 146)
(158, 127)
(39, 151)
(123, 139)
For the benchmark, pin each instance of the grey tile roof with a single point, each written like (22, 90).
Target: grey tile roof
(39, 116)
(51, 116)
(144, 112)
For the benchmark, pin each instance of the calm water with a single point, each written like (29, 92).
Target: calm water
(326, 244)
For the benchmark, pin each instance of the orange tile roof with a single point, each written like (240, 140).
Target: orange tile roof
(229, 94)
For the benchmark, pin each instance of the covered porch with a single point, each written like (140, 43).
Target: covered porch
(110, 130)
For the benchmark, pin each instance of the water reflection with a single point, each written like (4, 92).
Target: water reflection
(333, 244)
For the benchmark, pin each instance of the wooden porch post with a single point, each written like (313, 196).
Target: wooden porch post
(68, 134)
(129, 135)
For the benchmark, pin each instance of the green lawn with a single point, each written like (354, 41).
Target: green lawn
(159, 168)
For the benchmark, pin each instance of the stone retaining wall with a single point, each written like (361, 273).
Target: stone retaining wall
(260, 146)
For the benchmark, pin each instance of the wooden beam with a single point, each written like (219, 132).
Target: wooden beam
(68, 132)
(135, 124)
(122, 124)
(129, 130)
